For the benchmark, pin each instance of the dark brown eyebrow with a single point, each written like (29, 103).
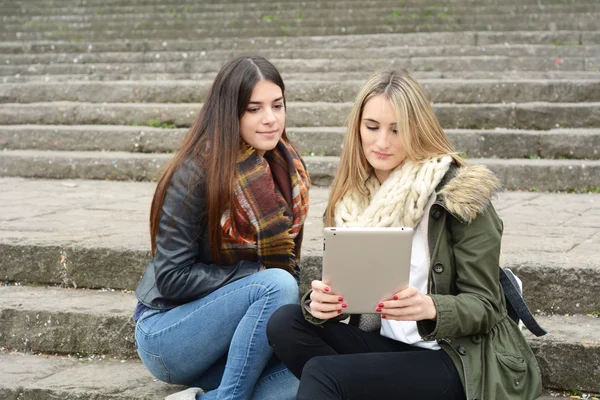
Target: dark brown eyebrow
(260, 102)
(377, 122)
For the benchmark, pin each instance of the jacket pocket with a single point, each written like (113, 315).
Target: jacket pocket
(512, 371)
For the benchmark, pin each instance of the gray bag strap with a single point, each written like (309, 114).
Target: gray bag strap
(517, 308)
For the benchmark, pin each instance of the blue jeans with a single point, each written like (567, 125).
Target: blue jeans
(219, 341)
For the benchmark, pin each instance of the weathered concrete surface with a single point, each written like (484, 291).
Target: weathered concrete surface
(141, 31)
(95, 234)
(443, 64)
(323, 77)
(90, 55)
(37, 377)
(45, 319)
(67, 321)
(537, 116)
(185, 91)
(485, 38)
(515, 174)
(570, 353)
(497, 143)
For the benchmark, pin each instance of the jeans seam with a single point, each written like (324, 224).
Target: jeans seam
(253, 336)
(159, 358)
(205, 305)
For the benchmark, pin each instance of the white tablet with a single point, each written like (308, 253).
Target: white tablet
(366, 265)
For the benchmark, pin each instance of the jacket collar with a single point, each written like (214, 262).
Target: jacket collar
(466, 191)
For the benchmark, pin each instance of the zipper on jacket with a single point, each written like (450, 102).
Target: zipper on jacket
(464, 366)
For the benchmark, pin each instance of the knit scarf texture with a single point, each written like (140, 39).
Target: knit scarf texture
(398, 202)
(270, 205)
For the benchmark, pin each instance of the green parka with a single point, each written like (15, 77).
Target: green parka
(464, 235)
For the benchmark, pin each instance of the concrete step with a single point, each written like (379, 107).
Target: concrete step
(516, 174)
(283, 3)
(324, 77)
(327, 141)
(41, 377)
(175, 7)
(70, 321)
(342, 54)
(532, 116)
(291, 11)
(365, 18)
(442, 64)
(290, 30)
(187, 91)
(424, 39)
(279, 9)
(94, 234)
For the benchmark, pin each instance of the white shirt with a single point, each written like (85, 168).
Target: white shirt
(406, 331)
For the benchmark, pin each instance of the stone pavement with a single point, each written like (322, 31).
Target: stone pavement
(26, 377)
(100, 231)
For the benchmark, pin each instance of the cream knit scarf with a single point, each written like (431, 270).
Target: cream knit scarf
(399, 201)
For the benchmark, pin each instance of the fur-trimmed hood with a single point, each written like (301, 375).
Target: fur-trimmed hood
(466, 191)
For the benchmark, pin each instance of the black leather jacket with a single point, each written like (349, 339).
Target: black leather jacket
(182, 269)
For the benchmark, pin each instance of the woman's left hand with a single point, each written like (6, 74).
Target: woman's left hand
(408, 305)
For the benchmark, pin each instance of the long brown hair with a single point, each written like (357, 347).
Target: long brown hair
(422, 136)
(213, 142)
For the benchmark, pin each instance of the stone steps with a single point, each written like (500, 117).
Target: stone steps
(323, 77)
(497, 143)
(294, 12)
(289, 30)
(536, 116)
(102, 7)
(39, 319)
(342, 54)
(423, 64)
(173, 8)
(94, 234)
(364, 18)
(424, 39)
(515, 174)
(41, 377)
(188, 91)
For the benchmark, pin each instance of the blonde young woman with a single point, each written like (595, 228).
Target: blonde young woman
(447, 336)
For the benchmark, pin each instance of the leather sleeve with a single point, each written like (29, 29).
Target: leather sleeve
(182, 264)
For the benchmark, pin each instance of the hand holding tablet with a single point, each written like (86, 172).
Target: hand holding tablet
(362, 267)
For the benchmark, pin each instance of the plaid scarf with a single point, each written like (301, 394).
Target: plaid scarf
(270, 204)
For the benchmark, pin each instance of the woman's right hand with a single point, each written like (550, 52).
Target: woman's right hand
(324, 304)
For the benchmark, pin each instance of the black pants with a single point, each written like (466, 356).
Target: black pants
(339, 361)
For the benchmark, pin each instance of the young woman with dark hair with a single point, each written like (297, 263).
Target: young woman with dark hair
(226, 226)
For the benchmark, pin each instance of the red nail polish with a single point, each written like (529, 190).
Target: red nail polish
(378, 309)
(326, 289)
(380, 305)
(383, 316)
(395, 297)
(340, 298)
(344, 305)
(339, 311)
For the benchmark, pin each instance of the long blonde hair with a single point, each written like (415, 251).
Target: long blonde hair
(421, 134)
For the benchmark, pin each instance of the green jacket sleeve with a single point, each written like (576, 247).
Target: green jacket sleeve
(477, 305)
